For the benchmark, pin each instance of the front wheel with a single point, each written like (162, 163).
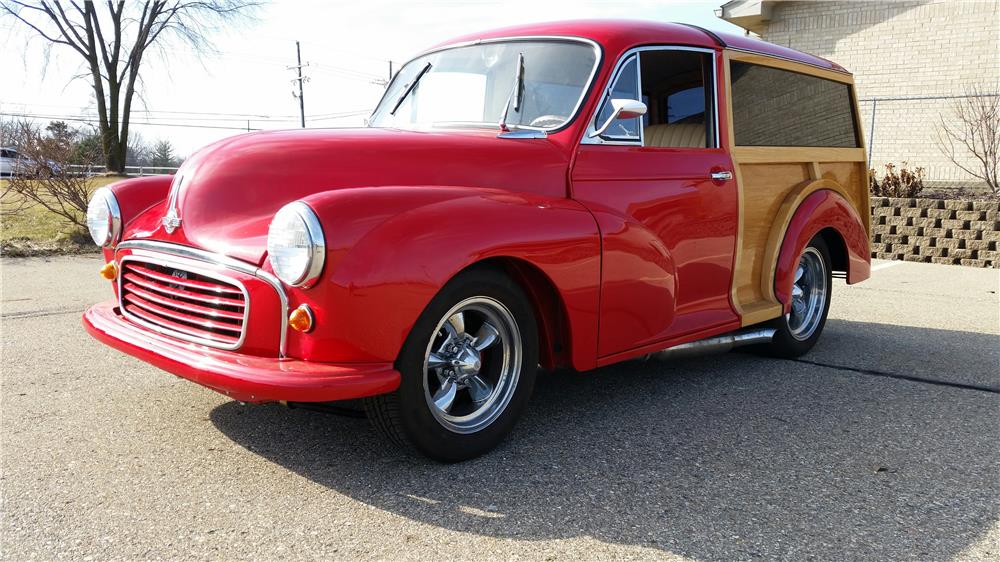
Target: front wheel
(467, 370)
(799, 330)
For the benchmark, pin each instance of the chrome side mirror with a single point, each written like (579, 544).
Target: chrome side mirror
(623, 109)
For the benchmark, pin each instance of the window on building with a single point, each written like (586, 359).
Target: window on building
(773, 107)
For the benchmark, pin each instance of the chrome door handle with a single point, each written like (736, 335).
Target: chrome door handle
(722, 176)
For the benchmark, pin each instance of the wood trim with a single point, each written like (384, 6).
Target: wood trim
(783, 64)
(814, 171)
(761, 312)
(791, 154)
(866, 195)
(858, 124)
(780, 226)
(725, 90)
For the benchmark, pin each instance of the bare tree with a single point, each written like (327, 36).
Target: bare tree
(114, 37)
(44, 174)
(973, 129)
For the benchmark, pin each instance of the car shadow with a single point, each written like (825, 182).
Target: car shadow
(730, 456)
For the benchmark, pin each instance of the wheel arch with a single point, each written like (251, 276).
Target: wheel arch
(554, 332)
(839, 260)
(826, 213)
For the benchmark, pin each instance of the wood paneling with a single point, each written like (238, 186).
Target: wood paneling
(773, 181)
(765, 187)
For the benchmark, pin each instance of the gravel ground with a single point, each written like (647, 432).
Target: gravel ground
(882, 444)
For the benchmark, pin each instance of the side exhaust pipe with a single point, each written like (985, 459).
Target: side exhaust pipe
(717, 344)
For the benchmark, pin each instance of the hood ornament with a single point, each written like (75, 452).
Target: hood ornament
(172, 220)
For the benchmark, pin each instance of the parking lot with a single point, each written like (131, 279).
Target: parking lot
(880, 444)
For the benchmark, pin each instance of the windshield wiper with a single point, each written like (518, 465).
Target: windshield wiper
(410, 87)
(516, 93)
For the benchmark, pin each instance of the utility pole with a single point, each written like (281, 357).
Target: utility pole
(300, 80)
(384, 83)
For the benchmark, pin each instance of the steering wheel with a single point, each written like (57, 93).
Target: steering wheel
(547, 121)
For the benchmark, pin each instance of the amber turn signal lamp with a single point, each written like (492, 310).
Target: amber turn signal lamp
(109, 271)
(301, 319)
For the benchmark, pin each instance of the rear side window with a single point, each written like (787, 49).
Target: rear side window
(773, 107)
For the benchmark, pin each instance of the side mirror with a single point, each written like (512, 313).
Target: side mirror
(623, 109)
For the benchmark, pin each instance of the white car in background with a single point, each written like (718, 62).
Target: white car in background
(7, 158)
(11, 162)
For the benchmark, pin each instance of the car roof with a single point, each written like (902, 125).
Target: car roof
(617, 36)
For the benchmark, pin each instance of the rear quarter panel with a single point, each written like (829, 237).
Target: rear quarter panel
(773, 182)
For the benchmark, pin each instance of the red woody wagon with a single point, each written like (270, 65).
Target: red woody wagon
(565, 195)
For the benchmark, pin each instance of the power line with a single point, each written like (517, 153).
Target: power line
(85, 120)
(202, 116)
(339, 116)
(152, 112)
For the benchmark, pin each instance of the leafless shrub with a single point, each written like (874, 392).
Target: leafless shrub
(46, 172)
(973, 129)
(904, 183)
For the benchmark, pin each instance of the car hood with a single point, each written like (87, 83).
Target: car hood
(227, 193)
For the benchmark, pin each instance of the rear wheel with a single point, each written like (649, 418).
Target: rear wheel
(799, 330)
(467, 368)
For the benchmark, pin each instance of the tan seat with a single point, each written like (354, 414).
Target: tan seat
(676, 135)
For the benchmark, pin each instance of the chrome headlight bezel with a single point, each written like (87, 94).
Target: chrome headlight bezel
(104, 218)
(303, 219)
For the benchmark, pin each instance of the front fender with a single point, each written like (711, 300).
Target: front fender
(138, 194)
(390, 250)
(822, 209)
(134, 197)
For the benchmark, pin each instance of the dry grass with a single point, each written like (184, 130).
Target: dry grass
(36, 231)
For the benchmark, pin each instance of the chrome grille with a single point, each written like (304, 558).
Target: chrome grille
(183, 302)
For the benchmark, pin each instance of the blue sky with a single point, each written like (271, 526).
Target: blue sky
(347, 44)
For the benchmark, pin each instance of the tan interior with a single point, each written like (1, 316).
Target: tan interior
(675, 135)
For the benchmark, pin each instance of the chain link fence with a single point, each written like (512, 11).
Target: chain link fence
(905, 129)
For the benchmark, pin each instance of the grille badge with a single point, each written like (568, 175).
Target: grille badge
(172, 220)
(180, 275)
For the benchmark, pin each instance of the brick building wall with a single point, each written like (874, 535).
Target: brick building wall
(900, 49)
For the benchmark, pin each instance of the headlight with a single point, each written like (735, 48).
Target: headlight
(295, 245)
(104, 218)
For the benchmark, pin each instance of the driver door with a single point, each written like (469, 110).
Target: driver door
(663, 193)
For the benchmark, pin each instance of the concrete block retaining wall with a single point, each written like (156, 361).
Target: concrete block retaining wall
(947, 231)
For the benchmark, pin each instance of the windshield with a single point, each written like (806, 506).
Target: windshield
(473, 85)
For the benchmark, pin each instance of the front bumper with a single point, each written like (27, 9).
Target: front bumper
(242, 377)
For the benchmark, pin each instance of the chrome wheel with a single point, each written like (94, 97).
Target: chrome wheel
(809, 294)
(472, 364)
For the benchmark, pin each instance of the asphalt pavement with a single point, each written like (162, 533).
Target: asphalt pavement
(881, 444)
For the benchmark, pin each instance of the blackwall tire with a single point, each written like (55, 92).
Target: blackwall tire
(467, 370)
(798, 331)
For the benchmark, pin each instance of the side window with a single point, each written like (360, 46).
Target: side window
(773, 107)
(626, 86)
(686, 105)
(680, 111)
